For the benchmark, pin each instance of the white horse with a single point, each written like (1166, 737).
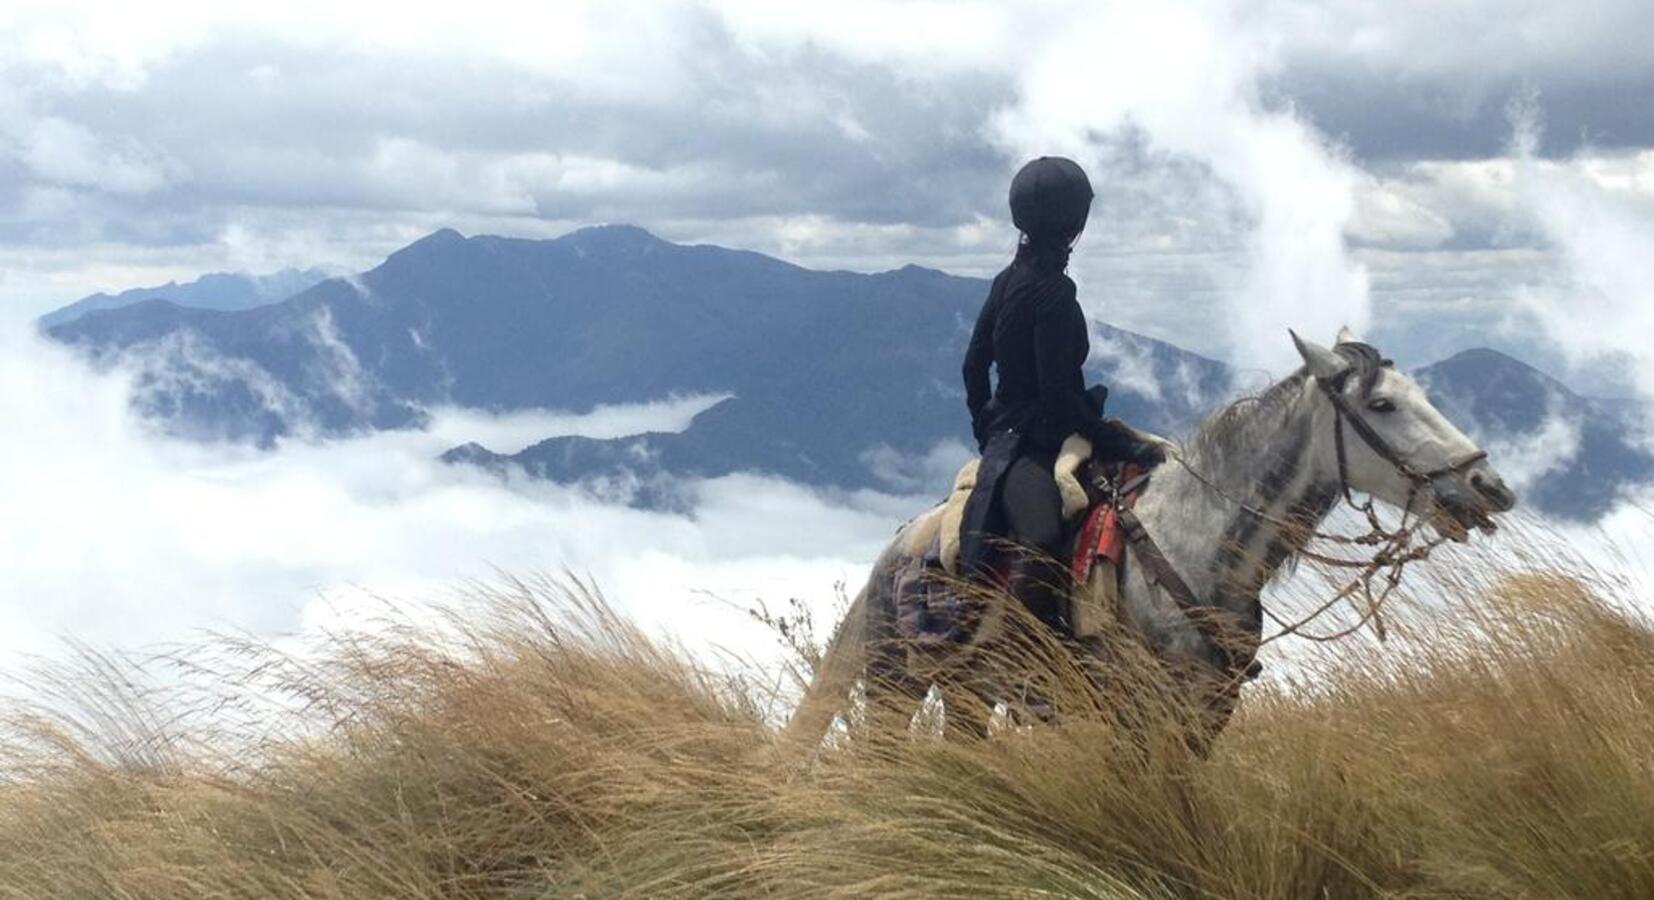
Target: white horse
(1241, 500)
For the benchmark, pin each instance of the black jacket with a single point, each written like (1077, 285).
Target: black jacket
(1032, 330)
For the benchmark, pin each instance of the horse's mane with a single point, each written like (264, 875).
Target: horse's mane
(1239, 419)
(1242, 418)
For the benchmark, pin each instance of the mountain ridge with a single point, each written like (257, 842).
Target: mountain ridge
(1580, 452)
(834, 375)
(225, 291)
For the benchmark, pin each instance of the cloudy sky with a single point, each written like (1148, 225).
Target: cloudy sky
(1441, 175)
(1299, 157)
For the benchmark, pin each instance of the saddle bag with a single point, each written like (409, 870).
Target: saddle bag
(929, 609)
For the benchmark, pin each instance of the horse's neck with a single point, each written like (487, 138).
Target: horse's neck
(1268, 459)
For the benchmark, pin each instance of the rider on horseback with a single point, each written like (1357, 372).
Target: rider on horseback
(1031, 329)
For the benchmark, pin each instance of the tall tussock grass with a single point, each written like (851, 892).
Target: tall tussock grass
(534, 744)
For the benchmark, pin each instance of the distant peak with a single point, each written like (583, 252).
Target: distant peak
(912, 269)
(618, 229)
(436, 241)
(154, 308)
(616, 237)
(1482, 363)
(439, 236)
(1483, 351)
(1487, 356)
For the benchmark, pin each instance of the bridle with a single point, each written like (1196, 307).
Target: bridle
(1392, 547)
(1345, 414)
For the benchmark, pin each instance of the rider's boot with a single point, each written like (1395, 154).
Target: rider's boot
(1042, 584)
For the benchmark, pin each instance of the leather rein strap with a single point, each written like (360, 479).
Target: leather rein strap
(1205, 617)
(1160, 569)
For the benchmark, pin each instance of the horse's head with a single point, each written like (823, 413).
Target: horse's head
(1396, 445)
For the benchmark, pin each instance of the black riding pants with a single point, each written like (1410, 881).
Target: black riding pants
(1032, 505)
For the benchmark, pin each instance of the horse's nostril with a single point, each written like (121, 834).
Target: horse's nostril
(1493, 489)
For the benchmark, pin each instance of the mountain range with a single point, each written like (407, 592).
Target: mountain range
(836, 379)
(1579, 452)
(225, 291)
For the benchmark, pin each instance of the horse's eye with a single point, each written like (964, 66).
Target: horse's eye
(1382, 405)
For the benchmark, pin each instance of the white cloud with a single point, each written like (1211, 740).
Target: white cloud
(511, 432)
(62, 152)
(88, 43)
(1599, 215)
(1471, 44)
(181, 364)
(1388, 216)
(1526, 459)
(860, 135)
(118, 536)
(1131, 362)
(910, 474)
(1188, 77)
(929, 35)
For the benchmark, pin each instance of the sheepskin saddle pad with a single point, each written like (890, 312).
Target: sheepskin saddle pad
(938, 531)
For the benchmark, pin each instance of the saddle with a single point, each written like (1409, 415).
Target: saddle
(1098, 501)
(1091, 490)
(1077, 477)
(935, 534)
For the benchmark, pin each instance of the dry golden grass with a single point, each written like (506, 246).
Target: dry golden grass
(1503, 746)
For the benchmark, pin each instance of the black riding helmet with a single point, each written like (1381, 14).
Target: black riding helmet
(1050, 199)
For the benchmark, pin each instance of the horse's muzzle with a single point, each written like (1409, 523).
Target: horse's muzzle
(1470, 500)
(1490, 489)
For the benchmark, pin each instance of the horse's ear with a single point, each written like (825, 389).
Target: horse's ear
(1324, 364)
(1346, 336)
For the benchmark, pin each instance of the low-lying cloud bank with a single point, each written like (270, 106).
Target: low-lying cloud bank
(118, 536)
